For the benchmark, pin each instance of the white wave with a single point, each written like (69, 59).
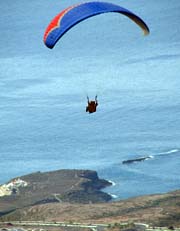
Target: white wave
(113, 196)
(112, 182)
(172, 151)
(150, 157)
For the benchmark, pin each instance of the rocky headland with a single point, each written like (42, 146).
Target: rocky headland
(73, 186)
(76, 196)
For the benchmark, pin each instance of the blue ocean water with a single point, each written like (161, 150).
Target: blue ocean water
(43, 124)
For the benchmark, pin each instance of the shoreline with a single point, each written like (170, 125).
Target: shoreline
(64, 185)
(105, 183)
(75, 195)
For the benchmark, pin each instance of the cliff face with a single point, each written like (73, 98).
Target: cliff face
(82, 186)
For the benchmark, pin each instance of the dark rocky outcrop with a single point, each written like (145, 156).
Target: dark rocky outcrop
(139, 159)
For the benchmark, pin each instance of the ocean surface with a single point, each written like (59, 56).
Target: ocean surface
(43, 123)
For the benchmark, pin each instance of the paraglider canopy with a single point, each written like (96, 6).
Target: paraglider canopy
(77, 13)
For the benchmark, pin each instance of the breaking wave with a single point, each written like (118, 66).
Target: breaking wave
(170, 152)
(112, 182)
(165, 153)
(114, 196)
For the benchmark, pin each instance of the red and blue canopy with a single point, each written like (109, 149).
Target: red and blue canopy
(77, 13)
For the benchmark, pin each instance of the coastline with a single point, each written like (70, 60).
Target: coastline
(64, 185)
(76, 195)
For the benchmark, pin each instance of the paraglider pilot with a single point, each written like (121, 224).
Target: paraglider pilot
(91, 108)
